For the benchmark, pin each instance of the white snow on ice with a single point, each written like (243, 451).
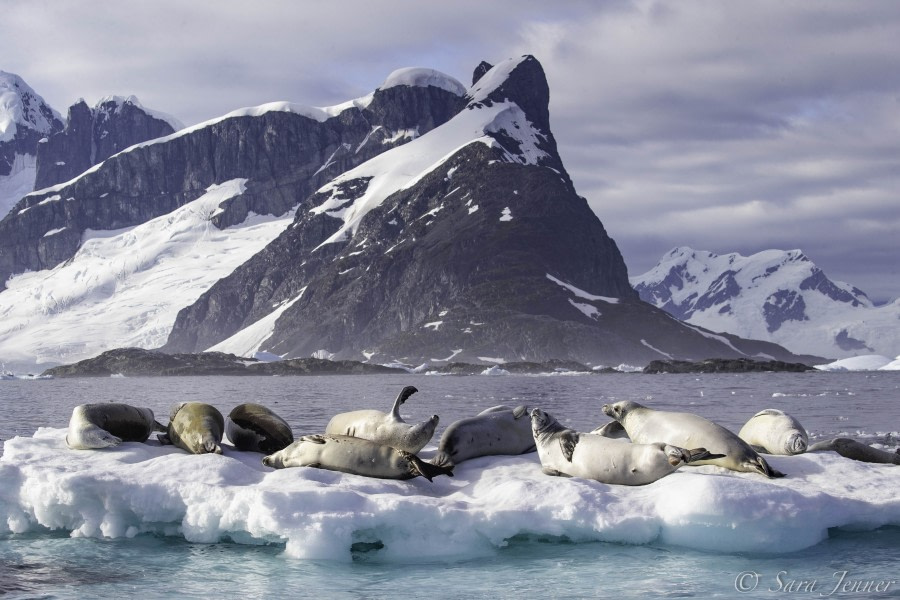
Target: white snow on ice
(125, 288)
(18, 183)
(867, 362)
(317, 514)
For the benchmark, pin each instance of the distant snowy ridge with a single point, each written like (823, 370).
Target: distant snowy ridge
(21, 106)
(774, 295)
(120, 101)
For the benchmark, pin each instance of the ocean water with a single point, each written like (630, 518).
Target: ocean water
(51, 564)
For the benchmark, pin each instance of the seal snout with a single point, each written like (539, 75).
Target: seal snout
(607, 410)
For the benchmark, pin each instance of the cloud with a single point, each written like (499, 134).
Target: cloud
(726, 126)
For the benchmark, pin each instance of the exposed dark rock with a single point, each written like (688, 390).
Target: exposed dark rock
(819, 281)
(782, 306)
(482, 68)
(518, 368)
(136, 362)
(93, 135)
(721, 365)
(850, 344)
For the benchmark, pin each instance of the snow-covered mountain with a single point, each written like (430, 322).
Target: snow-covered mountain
(425, 221)
(94, 134)
(775, 295)
(25, 119)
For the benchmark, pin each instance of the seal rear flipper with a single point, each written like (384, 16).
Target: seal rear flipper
(442, 459)
(164, 439)
(426, 470)
(521, 411)
(553, 472)
(568, 439)
(157, 426)
(404, 394)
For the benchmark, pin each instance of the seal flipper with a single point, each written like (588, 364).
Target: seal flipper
(317, 438)
(164, 439)
(568, 439)
(426, 470)
(762, 467)
(521, 411)
(553, 472)
(157, 426)
(442, 459)
(700, 454)
(404, 394)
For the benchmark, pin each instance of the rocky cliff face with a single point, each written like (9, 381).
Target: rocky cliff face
(470, 243)
(94, 134)
(284, 151)
(25, 120)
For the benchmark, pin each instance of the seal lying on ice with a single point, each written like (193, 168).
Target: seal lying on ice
(354, 455)
(195, 427)
(103, 425)
(566, 452)
(849, 448)
(645, 425)
(775, 432)
(385, 428)
(256, 428)
(497, 430)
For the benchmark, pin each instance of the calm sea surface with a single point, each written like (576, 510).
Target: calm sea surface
(53, 565)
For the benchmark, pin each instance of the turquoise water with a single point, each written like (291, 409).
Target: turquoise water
(50, 564)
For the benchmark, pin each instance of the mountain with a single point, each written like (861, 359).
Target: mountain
(468, 243)
(25, 120)
(107, 259)
(92, 135)
(424, 221)
(779, 296)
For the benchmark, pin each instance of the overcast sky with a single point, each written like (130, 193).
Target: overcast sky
(724, 126)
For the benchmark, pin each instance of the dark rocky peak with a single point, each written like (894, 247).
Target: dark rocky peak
(520, 80)
(94, 134)
(482, 68)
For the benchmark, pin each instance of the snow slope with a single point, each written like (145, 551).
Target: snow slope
(318, 514)
(773, 295)
(125, 288)
(18, 183)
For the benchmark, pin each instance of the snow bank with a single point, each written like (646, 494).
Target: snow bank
(147, 488)
(421, 77)
(867, 362)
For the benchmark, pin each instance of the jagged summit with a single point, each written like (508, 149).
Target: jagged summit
(21, 106)
(777, 295)
(482, 68)
(25, 120)
(421, 77)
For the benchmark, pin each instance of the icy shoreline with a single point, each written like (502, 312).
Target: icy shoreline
(148, 488)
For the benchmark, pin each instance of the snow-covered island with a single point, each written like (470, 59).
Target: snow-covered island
(147, 488)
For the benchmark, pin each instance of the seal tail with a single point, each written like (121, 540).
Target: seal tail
(442, 459)
(427, 470)
(157, 426)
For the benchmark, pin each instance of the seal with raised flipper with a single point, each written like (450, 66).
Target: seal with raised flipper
(686, 430)
(565, 452)
(612, 430)
(385, 428)
(850, 448)
(775, 432)
(497, 430)
(95, 426)
(196, 427)
(354, 455)
(256, 428)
